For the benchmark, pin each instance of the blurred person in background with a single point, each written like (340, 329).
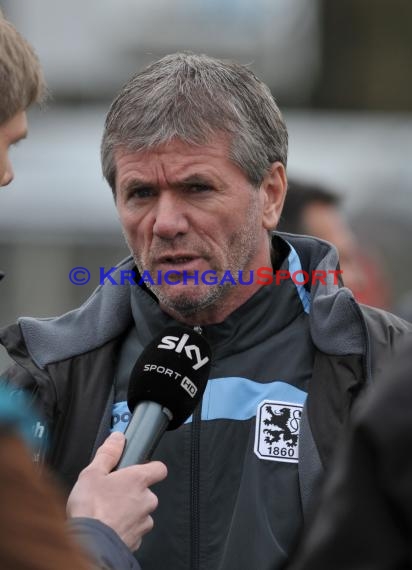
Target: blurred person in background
(313, 209)
(403, 307)
(109, 511)
(195, 152)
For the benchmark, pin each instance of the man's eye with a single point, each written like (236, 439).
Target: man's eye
(198, 188)
(141, 192)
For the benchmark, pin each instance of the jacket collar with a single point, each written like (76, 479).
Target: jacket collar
(335, 325)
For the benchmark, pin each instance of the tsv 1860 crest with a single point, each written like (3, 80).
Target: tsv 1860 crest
(277, 431)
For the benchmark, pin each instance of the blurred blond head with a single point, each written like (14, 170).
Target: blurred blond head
(21, 78)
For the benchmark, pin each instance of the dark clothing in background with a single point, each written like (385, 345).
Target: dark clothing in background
(364, 521)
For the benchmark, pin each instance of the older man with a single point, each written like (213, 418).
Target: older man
(195, 152)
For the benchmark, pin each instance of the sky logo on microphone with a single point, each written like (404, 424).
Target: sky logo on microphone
(178, 344)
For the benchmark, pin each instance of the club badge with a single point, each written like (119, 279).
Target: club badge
(277, 431)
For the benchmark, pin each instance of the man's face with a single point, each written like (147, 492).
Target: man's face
(189, 209)
(11, 132)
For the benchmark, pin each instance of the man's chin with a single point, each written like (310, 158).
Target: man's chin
(186, 300)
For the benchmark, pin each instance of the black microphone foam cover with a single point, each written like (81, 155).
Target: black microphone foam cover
(173, 371)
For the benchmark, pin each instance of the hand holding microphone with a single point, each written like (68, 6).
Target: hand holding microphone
(166, 384)
(122, 499)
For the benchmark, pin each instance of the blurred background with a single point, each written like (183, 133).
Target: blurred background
(340, 72)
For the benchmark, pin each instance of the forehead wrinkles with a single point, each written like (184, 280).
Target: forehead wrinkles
(166, 166)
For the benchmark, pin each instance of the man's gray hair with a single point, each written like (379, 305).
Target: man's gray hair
(193, 98)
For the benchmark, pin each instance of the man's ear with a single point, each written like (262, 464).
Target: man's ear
(274, 186)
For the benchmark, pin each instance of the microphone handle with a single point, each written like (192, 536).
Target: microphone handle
(148, 424)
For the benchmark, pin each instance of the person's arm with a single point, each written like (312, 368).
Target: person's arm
(104, 547)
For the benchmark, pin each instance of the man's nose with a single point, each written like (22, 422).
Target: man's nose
(170, 216)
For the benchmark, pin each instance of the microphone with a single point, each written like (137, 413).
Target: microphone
(166, 384)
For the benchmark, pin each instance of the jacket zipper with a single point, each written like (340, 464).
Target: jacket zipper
(367, 364)
(194, 490)
(195, 483)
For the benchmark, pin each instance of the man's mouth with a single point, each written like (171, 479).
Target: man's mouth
(176, 259)
(182, 263)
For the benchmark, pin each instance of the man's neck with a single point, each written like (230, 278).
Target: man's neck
(218, 311)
